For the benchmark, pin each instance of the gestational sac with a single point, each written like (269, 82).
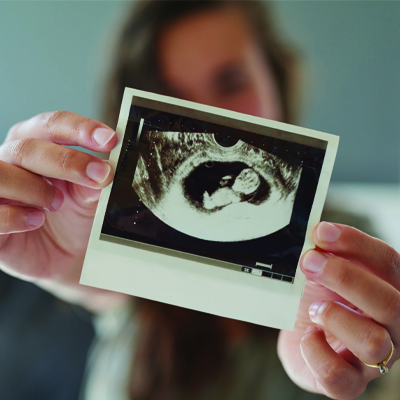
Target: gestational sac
(213, 192)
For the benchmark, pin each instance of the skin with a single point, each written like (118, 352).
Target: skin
(51, 251)
(212, 58)
(353, 280)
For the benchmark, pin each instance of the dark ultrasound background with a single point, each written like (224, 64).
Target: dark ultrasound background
(126, 217)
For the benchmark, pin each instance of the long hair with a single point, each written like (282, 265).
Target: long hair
(179, 351)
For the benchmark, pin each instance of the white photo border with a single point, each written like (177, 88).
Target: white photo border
(186, 281)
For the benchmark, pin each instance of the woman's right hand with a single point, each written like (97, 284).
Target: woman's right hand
(49, 193)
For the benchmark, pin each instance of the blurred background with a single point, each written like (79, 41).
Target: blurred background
(53, 55)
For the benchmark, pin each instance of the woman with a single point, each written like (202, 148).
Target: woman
(224, 54)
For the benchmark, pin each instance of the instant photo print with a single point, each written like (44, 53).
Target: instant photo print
(209, 209)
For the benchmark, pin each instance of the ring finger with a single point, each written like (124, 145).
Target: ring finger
(366, 339)
(374, 296)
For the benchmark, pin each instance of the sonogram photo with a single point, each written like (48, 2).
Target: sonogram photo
(214, 192)
(209, 209)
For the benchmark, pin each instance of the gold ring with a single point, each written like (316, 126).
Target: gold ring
(382, 365)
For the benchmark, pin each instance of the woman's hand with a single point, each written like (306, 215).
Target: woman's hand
(350, 311)
(48, 196)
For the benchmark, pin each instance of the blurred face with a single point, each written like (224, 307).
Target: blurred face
(211, 57)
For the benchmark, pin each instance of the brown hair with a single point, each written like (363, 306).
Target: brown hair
(178, 350)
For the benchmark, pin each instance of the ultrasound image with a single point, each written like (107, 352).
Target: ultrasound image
(224, 192)
(214, 192)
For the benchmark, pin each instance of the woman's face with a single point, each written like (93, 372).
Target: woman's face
(211, 57)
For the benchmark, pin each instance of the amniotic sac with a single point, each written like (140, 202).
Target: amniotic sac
(212, 192)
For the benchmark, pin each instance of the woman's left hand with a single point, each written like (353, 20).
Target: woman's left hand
(350, 311)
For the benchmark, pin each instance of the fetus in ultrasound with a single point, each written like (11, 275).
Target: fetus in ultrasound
(232, 189)
(213, 192)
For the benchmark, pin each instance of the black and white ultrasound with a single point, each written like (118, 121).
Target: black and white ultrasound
(212, 191)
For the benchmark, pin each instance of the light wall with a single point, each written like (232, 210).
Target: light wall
(52, 57)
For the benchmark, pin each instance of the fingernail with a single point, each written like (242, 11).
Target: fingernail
(102, 136)
(327, 232)
(98, 171)
(58, 200)
(312, 311)
(35, 218)
(314, 261)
